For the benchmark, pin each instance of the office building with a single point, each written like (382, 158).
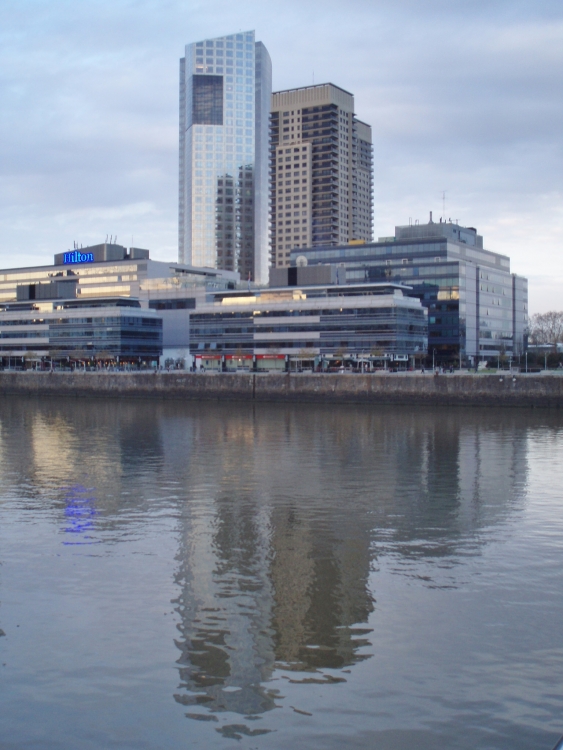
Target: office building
(477, 308)
(320, 320)
(321, 166)
(112, 329)
(81, 287)
(225, 92)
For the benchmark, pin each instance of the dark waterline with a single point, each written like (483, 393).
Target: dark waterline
(268, 576)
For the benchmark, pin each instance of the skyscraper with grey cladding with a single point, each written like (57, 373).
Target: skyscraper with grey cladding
(225, 93)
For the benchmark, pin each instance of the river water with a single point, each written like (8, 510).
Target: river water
(269, 576)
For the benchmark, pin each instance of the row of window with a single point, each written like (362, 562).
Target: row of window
(219, 55)
(359, 330)
(227, 41)
(104, 334)
(24, 334)
(361, 312)
(34, 322)
(395, 345)
(444, 333)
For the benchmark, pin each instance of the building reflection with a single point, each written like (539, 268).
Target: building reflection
(283, 515)
(289, 511)
(82, 457)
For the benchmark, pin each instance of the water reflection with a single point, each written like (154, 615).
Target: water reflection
(80, 512)
(282, 516)
(289, 512)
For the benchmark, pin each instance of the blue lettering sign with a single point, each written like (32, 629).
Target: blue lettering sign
(77, 257)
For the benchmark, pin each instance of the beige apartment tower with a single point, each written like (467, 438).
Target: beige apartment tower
(321, 165)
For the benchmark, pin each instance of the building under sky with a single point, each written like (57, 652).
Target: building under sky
(321, 171)
(225, 92)
(477, 308)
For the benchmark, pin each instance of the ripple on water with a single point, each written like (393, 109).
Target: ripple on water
(396, 572)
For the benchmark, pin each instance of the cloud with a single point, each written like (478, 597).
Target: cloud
(462, 97)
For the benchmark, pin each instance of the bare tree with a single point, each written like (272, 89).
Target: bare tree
(547, 328)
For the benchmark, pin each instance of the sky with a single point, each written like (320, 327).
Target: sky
(464, 96)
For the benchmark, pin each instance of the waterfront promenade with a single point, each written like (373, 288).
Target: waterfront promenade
(459, 388)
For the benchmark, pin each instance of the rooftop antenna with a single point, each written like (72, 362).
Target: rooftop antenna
(444, 204)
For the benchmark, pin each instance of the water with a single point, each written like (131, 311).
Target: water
(210, 575)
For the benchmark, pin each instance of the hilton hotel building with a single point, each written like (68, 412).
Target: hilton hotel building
(321, 167)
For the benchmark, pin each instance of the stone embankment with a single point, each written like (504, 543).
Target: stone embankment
(460, 389)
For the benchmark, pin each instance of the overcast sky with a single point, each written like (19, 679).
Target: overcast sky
(464, 96)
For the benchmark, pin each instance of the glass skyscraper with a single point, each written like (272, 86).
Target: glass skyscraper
(225, 93)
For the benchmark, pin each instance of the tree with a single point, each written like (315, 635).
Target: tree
(377, 352)
(306, 354)
(547, 328)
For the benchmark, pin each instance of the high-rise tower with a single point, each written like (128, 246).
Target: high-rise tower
(322, 170)
(225, 94)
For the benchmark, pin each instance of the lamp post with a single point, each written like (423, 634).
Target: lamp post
(433, 360)
(526, 362)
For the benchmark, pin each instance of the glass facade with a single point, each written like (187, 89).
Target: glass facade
(273, 323)
(110, 329)
(207, 100)
(225, 90)
(125, 335)
(476, 308)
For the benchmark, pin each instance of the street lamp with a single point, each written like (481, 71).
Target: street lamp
(433, 359)
(526, 361)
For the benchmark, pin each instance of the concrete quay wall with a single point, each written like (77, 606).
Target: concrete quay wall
(413, 388)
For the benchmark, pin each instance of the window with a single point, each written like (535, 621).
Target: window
(207, 100)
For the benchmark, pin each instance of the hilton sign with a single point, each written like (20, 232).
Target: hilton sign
(77, 257)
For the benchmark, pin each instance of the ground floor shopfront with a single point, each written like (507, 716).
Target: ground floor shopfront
(265, 329)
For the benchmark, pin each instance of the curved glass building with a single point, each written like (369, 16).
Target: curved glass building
(225, 92)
